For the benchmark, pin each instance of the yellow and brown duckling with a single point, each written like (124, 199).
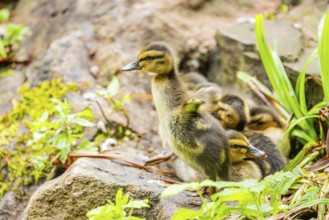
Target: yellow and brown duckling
(274, 161)
(193, 134)
(240, 150)
(230, 109)
(264, 120)
(240, 169)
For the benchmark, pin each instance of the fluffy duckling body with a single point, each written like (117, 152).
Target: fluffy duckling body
(194, 81)
(264, 120)
(240, 169)
(230, 109)
(193, 135)
(274, 161)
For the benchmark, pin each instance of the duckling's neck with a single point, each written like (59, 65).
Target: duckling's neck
(168, 93)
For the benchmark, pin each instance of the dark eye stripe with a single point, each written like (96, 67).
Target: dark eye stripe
(151, 57)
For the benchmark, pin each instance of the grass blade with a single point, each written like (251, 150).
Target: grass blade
(323, 47)
(300, 84)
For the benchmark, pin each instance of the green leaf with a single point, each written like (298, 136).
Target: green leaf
(113, 87)
(83, 122)
(138, 204)
(300, 84)
(38, 136)
(177, 188)
(323, 47)
(183, 214)
(4, 15)
(87, 146)
(44, 117)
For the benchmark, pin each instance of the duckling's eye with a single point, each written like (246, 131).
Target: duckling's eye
(235, 146)
(148, 58)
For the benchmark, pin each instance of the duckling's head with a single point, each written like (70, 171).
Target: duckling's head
(241, 148)
(262, 118)
(155, 58)
(232, 111)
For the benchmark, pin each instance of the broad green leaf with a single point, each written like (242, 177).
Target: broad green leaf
(113, 87)
(87, 146)
(38, 135)
(44, 117)
(138, 204)
(4, 15)
(183, 214)
(83, 122)
(178, 188)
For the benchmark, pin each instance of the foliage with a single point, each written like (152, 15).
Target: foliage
(256, 200)
(12, 37)
(117, 102)
(37, 131)
(118, 209)
(290, 100)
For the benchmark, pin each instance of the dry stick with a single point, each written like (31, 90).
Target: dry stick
(319, 165)
(159, 159)
(108, 122)
(102, 111)
(121, 160)
(253, 85)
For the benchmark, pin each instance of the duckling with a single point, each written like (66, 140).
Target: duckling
(264, 120)
(232, 111)
(274, 161)
(193, 134)
(194, 81)
(240, 149)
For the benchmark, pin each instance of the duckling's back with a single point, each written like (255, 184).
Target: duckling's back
(201, 142)
(275, 161)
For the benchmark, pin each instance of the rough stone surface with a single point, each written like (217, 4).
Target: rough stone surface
(237, 50)
(68, 58)
(89, 183)
(8, 89)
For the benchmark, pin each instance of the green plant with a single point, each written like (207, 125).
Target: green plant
(118, 210)
(287, 99)
(12, 37)
(38, 130)
(55, 137)
(117, 102)
(256, 200)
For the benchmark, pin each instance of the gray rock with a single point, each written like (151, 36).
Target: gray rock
(8, 89)
(13, 203)
(89, 183)
(68, 58)
(238, 51)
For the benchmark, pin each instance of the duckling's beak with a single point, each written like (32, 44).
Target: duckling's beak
(254, 152)
(132, 66)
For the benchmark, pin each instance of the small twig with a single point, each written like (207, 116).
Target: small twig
(159, 159)
(121, 160)
(103, 114)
